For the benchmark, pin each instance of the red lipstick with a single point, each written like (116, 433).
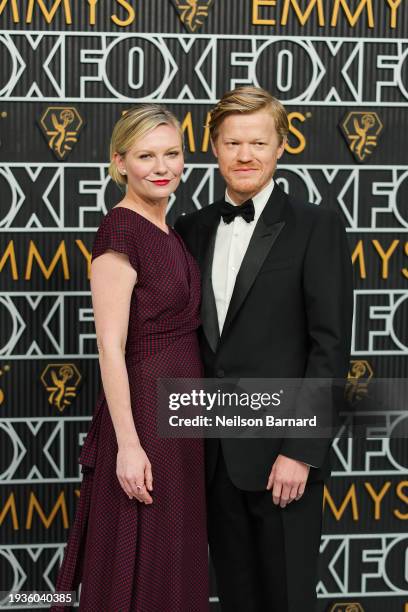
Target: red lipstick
(162, 182)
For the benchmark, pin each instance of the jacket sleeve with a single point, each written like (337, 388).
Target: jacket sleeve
(328, 299)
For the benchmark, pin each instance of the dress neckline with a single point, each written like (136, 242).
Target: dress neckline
(145, 218)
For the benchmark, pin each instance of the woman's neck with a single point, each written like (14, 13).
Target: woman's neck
(155, 210)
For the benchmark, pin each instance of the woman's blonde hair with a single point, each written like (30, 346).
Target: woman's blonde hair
(248, 99)
(133, 125)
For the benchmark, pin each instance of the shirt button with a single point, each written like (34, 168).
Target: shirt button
(220, 373)
(233, 268)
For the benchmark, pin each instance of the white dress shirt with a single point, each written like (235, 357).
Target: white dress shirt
(231, 242)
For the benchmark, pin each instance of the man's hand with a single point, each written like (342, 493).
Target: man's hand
(287, 480)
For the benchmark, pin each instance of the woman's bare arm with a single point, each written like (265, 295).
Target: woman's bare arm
(112, 282)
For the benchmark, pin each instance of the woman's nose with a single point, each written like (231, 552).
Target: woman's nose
(160, 166)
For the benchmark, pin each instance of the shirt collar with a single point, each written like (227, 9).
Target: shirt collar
(259, 200)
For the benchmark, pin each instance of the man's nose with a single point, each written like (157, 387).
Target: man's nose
(244, 152)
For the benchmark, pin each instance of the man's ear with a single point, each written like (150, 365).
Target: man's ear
(214, 147)
(281, 148)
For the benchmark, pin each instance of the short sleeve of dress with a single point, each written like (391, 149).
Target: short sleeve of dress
(118, 233)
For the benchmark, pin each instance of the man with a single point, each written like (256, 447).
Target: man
(276, 303)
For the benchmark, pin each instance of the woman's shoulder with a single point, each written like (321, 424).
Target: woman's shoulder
(122, 219)
(118, 213)
(118, 231)
(128, 217)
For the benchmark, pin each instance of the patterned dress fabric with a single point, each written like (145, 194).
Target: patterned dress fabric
(129, 557)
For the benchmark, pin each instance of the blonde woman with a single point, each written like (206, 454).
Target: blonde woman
(138, 542)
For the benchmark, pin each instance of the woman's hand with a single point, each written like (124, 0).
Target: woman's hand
(134, 472)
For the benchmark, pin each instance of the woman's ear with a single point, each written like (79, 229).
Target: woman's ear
(119, 161)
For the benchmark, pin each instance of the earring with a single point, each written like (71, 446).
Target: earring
(123, 171)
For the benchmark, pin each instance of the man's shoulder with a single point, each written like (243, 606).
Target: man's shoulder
(197, 216)
(308, 212)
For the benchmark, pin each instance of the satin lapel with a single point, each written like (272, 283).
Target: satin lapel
(268, 228)
(209, 316)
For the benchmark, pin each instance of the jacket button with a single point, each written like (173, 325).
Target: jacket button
(220, 373)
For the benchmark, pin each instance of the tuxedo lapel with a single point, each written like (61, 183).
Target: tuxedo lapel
(209, 318)
(268, 228)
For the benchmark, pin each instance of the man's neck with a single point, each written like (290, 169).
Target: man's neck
(237, 198)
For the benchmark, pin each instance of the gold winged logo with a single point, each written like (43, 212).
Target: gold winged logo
(61, 382)
(61, 126)
(193, 13)
(362, 130)
(358, 379)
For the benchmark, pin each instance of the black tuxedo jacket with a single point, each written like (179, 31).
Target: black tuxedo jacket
(290, 316)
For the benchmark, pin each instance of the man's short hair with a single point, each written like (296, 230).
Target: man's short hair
(246, 100)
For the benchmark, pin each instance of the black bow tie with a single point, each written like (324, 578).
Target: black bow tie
(229, 211)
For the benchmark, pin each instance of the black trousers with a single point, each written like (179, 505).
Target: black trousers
(264, 556)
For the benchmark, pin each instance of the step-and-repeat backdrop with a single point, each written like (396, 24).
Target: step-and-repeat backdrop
(68, 69)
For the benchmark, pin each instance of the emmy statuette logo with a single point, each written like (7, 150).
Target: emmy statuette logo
(61, 126)
(361, 130)
(193, 13)
(358, 380)
(61, 382)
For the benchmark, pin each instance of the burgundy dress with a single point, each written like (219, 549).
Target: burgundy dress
(129, 556)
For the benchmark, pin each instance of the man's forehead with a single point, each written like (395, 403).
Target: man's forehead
(259, 121)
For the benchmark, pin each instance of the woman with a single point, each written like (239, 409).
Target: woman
(138, 542)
